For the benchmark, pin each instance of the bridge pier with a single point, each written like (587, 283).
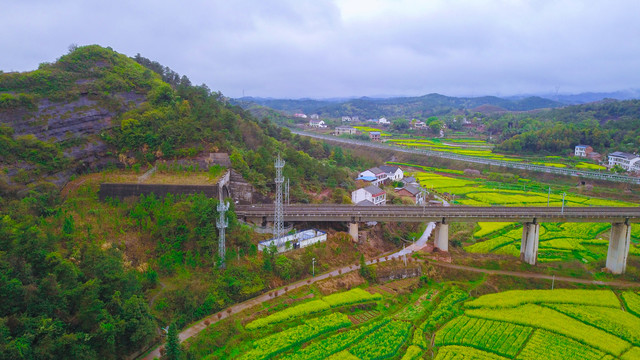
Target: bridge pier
(442, 236)
(353, 231)
(529, 245)
(618, 247)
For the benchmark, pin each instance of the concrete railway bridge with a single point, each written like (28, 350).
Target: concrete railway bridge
(620, 218)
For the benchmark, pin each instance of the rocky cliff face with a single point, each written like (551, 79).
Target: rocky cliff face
(78, 122)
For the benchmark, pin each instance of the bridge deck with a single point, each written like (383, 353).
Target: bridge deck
(403, 213)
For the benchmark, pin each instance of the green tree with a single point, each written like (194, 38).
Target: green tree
(365, 271)
(400, 125)
(436, 126)
(173, 349)
(618, 169)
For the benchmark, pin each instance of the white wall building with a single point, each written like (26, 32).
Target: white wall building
(394, 173)
(370, 193)
(317, 123)
(345, 130)
(629, 162)
(582, 150)
(374, 175)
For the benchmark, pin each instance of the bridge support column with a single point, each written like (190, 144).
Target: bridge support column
(529, 245)
(353, 231)
(442, 236)
(618, 247)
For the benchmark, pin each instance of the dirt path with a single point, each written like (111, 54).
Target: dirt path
(527, 275)
(200, 325)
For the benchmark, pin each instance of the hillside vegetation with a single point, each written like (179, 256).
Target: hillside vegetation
(83, 279)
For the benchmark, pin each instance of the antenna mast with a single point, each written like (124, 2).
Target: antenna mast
(222, 223)
(278, 221)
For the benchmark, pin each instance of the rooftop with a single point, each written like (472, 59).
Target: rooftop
(623, 155)
(374, 190)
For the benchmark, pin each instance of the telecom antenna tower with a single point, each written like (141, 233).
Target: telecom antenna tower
(278, 220)
(222, 223)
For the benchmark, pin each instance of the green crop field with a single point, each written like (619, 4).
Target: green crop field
(445, 323)
(541, 324)
(367, 129)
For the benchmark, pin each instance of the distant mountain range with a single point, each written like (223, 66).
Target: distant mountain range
(427, 105)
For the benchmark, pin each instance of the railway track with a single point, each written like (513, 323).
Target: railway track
(438, 213)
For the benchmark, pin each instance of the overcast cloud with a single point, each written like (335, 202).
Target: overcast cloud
(338, 48)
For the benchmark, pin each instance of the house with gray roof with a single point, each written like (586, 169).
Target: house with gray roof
(370, 193)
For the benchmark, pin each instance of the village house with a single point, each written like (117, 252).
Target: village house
(374, 175)
(315, 116)
(410, 180)
(417, 124)
(583, 150)
(383, 121)
(394, 173)
(629, 162)
(355, 118)
(371, 193)
(317, 123)
(344, 130)
(412, 192)
(300, 115)
(346, 119)
(374, 136)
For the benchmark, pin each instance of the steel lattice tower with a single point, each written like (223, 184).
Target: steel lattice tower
(278, 220)
(222, 223)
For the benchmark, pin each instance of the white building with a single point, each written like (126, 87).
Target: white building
(384, 121)
(315, 116)
(300, 115)
(346, 119)
(394, 173)
(374, 175)
(629, 162)
(419, 124)
(295, 241)
(583, 150)
(370, 193)
(345, 130)
(317, 123)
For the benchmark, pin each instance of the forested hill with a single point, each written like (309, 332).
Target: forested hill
(95, 108)
(75, 274)
(421, 107)
(607, 126)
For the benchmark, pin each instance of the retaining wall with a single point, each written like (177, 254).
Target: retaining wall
(123, 190)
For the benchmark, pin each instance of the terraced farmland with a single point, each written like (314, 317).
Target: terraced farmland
(517, 324)
(543, 324)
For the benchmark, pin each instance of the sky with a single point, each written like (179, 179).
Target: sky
(347, 48)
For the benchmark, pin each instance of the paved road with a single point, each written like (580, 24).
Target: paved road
(473, 159)
(201, 324)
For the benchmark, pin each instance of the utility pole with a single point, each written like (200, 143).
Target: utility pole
(222, 223)
(278, 220)
(563, 195)
(286, 192)
(548, 196)
(313, 262)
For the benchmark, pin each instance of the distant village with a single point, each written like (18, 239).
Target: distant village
(616, 161)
